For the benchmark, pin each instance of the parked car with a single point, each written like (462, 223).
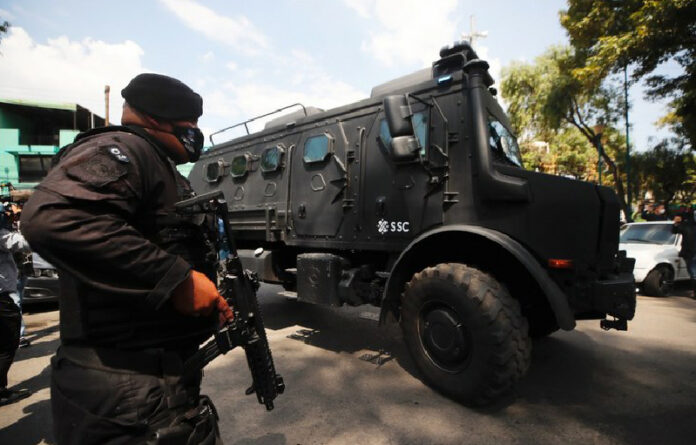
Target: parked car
(656, 250)
(43, 285)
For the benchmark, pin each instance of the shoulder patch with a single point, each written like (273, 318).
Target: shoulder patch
(100, 167)
(117, 153)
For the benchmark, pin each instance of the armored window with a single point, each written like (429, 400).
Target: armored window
(240, 166)
(272, 159)
(502, 143)
(215, 170)
(318, 148)
(420, 129)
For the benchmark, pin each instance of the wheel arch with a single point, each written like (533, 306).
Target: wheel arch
(493, 251)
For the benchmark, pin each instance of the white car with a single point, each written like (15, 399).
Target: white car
(656, 250)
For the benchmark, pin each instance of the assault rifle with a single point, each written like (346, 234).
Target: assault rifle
(238, 286)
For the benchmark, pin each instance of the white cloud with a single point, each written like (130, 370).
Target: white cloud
(5, 15)
(208, 57)
(362, 7)
(409, 31)
(246, 97)
(67, 71)
(237, 32)
(231, 66)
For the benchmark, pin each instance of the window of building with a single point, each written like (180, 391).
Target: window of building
(33, 168)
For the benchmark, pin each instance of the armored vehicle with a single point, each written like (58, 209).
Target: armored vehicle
(415, 200)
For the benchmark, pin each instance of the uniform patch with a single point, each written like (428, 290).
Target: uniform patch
(102, 167)
(118, 154)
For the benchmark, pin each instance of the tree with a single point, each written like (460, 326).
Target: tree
(668, 170)
(545, 98)
(611, 35)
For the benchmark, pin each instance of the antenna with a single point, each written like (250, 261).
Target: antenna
(473, 35)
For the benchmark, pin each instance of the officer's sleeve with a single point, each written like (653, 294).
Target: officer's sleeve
(79, 219)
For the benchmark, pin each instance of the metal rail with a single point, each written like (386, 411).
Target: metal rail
(255, 118)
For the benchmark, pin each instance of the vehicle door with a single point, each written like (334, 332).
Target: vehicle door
(317, 183)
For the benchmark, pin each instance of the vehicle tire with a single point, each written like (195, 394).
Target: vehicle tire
(659, 282)
(465, 332)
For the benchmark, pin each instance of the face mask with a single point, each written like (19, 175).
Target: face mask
(191, 139)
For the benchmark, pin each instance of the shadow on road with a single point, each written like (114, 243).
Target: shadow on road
(625, 390)
(338, 329)
(33, 428)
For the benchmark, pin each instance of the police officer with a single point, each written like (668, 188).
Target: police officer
(11, 242)
(136, 298)
(687, 228)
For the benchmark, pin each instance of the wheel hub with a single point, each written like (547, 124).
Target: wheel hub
(444, 338)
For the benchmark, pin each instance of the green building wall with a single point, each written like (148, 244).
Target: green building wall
(11, 150)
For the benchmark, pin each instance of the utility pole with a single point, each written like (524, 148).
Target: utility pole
(628, 146)
(106, 101)
(473, 35)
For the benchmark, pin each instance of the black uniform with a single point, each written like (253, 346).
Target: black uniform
(687, 229)
(104, 216)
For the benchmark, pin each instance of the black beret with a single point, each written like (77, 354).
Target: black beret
(163, 96)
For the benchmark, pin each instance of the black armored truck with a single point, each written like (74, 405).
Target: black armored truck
(415, 200)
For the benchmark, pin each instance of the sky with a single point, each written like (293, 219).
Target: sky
(249, 58)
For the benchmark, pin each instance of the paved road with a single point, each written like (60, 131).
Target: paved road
(351, 382)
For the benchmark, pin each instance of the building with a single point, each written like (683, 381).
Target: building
(32, 132)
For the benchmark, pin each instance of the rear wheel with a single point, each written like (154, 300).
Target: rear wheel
(465, 333)
(659, 282)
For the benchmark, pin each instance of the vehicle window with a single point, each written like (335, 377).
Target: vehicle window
(239, 166)
(420, 128)
(317, 148)
(648, 234)
(271, 159)
(502, 143)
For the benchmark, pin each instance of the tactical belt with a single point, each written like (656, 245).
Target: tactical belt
(154, 362)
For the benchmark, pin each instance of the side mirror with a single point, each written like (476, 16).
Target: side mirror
(404, 144)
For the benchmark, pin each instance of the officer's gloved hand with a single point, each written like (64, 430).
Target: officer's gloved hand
(197, 295)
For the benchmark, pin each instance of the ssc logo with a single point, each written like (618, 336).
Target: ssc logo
(384, 226)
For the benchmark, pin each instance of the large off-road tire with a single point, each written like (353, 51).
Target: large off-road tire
(465, 333)
(659, 282)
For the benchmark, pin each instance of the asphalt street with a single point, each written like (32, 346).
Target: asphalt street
(352, 382)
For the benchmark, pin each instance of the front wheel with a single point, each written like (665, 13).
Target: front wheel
(659, 282)
(465, 333)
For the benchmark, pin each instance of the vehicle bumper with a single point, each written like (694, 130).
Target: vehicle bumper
(40, 289)
(616, 296)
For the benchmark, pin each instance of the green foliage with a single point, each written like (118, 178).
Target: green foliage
(643, 33)
(668, 170)
(547, 102)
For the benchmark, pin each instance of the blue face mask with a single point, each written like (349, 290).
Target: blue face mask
(191, 139)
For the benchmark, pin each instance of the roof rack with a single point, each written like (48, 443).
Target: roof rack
(255, 118)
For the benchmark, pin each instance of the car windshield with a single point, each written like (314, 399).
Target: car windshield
(648, 234)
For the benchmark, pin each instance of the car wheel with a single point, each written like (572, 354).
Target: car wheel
(465, 332)
(659, 282)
